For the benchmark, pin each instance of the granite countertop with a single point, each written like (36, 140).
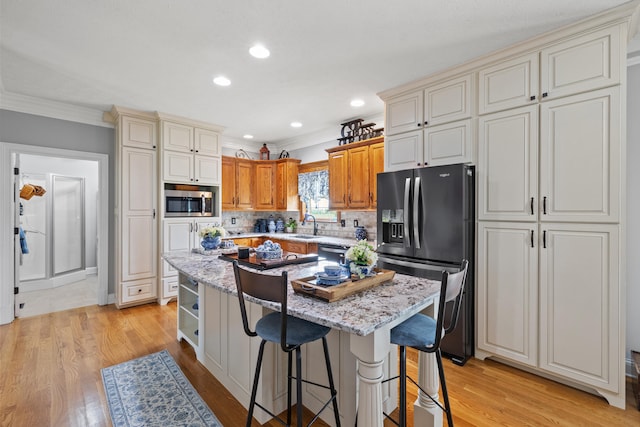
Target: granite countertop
(359, 314)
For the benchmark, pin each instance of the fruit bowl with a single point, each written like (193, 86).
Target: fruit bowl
(269, 250)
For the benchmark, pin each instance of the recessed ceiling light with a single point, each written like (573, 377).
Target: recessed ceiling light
(247, 136)
(357, 103)
(222, 81)
(259, 51)
(296, 124)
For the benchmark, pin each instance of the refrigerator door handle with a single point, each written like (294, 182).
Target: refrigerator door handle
(416, 214)
(407, 192)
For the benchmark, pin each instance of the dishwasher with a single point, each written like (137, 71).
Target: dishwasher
(332, 252)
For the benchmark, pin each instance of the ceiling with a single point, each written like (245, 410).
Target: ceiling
(161, 55)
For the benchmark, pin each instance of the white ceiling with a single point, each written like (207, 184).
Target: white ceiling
(161, 55)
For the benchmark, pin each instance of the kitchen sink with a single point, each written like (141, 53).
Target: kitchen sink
(304, 236)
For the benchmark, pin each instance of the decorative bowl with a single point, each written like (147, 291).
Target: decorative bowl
(333, 270)
(269, 254)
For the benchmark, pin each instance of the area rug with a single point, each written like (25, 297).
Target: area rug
(153, 391)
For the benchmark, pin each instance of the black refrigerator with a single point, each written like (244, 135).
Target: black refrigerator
(426, 224)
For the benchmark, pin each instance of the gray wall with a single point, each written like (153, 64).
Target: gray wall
(633, 208)
(27, 129)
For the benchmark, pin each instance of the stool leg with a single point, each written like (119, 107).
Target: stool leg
(289, 364)
(403, 387)
(334, 393)
(445, 394)
(299, 386)
(254, 390)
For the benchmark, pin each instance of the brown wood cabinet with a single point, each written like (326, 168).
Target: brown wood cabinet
(237, 183)
(353, 170)
(266, 185)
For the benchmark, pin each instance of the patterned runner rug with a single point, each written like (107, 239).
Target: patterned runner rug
(153, 391)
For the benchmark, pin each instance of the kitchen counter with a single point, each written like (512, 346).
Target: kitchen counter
(359, 341)
(295, 237)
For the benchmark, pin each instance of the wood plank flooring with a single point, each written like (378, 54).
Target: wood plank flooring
(50, 376)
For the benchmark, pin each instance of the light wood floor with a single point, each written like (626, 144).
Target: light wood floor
(50, 376)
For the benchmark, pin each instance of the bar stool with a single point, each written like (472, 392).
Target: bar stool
(288, 331)
(425, 333)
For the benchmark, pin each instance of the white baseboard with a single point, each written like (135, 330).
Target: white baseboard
(111, 299)
(91, 271)
(54, 282)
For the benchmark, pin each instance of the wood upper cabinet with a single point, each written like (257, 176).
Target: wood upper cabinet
(376, 165)
(353, 173)
(265, 184)
(287, 184)
(237, 180)
(338, 179)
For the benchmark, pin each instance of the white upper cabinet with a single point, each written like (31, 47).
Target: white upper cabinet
(508, 84)
(403, 151)
(507, 171)
(138, 133)
(448, 101)
(579, 157)
(206, 142)
(448, 143)
(207, 170)
(404, 113)
(584, 63)
(177, 137)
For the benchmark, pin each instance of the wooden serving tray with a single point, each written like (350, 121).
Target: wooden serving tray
(333, 293)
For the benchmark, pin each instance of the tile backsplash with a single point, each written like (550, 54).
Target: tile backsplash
(244, 222)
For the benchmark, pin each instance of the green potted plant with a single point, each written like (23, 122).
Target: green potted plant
(290, 225)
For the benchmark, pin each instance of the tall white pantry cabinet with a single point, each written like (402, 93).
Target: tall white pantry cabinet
(549, 144)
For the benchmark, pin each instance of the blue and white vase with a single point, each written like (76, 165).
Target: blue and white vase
(361, 233)
(209, 243)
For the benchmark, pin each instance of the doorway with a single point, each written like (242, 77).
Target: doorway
(93, 261)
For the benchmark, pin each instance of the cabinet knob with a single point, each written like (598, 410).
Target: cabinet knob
(544, 95)
(196, 180)
(196, 151)
(419, 163)
(191, 179)
(533, 98)
(419, 124)
(426, 123)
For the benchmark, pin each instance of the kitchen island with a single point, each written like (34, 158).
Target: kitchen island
(359, 341)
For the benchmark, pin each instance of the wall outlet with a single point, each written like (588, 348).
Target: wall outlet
(343, 223)
(233, 220)
(355, 222)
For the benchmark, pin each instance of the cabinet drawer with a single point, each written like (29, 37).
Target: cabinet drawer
(138, 290)
(297, 247)
(170, 287)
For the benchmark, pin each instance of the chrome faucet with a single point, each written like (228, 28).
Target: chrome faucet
(308, 216)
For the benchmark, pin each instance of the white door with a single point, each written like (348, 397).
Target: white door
(177, 137)
(404, 113)
(448, 101)
(507, 299)
(580, 157)
(580, 303)
(448, 143)
(206, 143)
(176, 236)
(207, 169)
(177, 167)
(139, 232)
(508, 165)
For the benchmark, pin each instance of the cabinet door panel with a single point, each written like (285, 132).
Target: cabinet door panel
(265, 180)
(358, 173)
(508, 165)
(376, 162)
(228, 196)
(338, 179)
(206, 169)
(580, 156)
(584, 63)
(449, 143)
(404, 113)
(403, 151)
(508, 84)
(580, 303)
(176, 236)
(177, 167)
(244, 184)
(139, 247)
(177, 137)
(448, 101)
(508, 290)
(206, 142)
(138, 133)
(138, 178)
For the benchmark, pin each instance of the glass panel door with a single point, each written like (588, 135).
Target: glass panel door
(68, 224)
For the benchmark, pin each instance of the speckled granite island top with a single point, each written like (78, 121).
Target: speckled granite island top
(360, 314)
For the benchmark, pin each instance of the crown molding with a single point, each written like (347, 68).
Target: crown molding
(53, 109)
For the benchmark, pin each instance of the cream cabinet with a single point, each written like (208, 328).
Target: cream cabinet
(404, 113)
(583, 63)
(508, 84)
(190, 154)
(507, 290)
(580, 157)
(137, 132)
(580, 303)
(435, 145)
(507, 175)
(179, 234)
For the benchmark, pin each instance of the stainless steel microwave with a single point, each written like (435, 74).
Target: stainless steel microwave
(188, 203)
